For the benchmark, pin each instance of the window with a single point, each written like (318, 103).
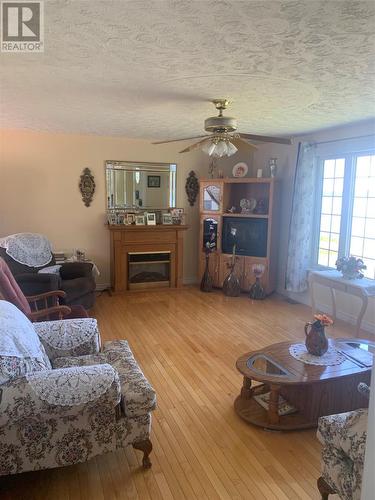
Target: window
(346, 217)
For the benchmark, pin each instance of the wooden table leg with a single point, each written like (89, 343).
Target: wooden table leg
(273, 407)
(246, 391)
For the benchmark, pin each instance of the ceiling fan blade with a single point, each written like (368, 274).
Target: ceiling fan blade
(184, 139)
(196, 145)
(266, 138)
(241, 143)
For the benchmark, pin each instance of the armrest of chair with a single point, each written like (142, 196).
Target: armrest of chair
(71, 270)
(346, 432)
(60, 393)
(69, 337)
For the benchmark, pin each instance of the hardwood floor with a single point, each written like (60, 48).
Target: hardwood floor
(187, 343)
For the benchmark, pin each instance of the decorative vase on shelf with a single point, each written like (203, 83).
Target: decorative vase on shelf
(206, 283)
(273, 166)
(316, 341)
(257, 291)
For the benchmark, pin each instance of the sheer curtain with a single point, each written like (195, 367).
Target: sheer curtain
(301, 230)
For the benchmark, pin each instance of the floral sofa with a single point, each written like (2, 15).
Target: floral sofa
(343, 437)
(62, 399)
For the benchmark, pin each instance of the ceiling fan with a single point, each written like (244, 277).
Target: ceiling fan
(223, 139)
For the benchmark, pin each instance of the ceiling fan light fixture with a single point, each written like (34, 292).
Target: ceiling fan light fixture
(231, 149)
(208, 147)
(221, 149)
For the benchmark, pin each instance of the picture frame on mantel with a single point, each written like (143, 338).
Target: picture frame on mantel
(153, 181)
(151, 219)
(139, 220)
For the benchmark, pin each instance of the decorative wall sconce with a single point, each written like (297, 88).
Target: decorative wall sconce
(192, 187)
(87, 186)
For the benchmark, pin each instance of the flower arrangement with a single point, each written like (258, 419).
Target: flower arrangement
(258, 270)
(322, 320)
(350, 267)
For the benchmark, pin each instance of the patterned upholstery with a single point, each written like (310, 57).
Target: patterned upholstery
(138, 397)
(71, 413)
(343, 437)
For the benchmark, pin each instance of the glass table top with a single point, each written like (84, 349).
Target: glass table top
(264, 365)
(366, 346)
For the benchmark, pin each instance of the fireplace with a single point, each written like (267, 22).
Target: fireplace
(149, 269)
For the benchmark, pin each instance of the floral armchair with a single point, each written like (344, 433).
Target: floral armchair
(62, 400)
(343, 437)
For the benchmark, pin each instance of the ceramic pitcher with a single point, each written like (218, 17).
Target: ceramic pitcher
(316, 341)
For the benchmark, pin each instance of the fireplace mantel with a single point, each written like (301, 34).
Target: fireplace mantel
(159, 238)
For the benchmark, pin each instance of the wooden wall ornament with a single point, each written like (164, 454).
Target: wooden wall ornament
(87, 186)
(192, 187)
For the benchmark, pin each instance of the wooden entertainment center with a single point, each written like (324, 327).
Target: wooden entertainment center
(217, 197)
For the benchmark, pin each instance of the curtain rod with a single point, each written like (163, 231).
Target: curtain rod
(346, 139)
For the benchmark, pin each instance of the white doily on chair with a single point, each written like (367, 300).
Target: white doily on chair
(29, 249)
(72, 386)
(67, 334)
(330, 358)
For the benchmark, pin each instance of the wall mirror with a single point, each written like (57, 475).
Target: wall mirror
(137, 185)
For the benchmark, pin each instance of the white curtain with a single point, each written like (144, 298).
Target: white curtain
(301, 231)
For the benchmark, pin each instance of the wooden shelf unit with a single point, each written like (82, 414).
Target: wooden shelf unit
(228, 193)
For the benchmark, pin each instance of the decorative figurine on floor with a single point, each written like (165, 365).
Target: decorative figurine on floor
(257, 291)
(231, 285)
(316, 340)
(210, 246)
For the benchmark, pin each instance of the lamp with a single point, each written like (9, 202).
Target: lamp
(219, 146)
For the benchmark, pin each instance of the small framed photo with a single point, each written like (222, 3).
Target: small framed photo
(167, 219)
(130, 218)
(139, 220)
(153, 181)
(121, 219)
(112, 218)
(151, 219)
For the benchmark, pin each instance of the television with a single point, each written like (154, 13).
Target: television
(251, 236)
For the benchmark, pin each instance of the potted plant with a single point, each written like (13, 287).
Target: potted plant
(350, 267)
(316, 340)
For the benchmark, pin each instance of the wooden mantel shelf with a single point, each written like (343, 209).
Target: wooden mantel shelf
(144, 227)
(159, 238)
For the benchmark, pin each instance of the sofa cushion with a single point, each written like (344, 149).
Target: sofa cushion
(138, 396)
(21, 351)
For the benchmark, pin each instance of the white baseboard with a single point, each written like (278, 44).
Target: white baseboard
(102, 286)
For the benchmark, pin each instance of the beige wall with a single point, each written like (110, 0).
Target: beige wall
(287, 155)
(39, 175)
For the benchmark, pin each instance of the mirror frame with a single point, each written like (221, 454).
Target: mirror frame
(152, 167)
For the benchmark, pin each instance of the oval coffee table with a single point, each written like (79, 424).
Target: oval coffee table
(309, 391)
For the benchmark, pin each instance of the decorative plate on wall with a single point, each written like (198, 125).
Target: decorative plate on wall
(240, 169)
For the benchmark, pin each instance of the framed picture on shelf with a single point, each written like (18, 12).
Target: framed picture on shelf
(167, 219)
(121, 219)
(151, 219)
(139, 220)
(130, 218)
(153, 181)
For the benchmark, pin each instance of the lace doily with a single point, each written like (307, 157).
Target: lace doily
(330, 358)
(67, 334)
(29, 249)
(17, 335)
(72, 386)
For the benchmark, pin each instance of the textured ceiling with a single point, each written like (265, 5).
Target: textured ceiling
(147, 69)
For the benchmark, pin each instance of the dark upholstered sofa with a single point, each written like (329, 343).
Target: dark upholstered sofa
(74, 278)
